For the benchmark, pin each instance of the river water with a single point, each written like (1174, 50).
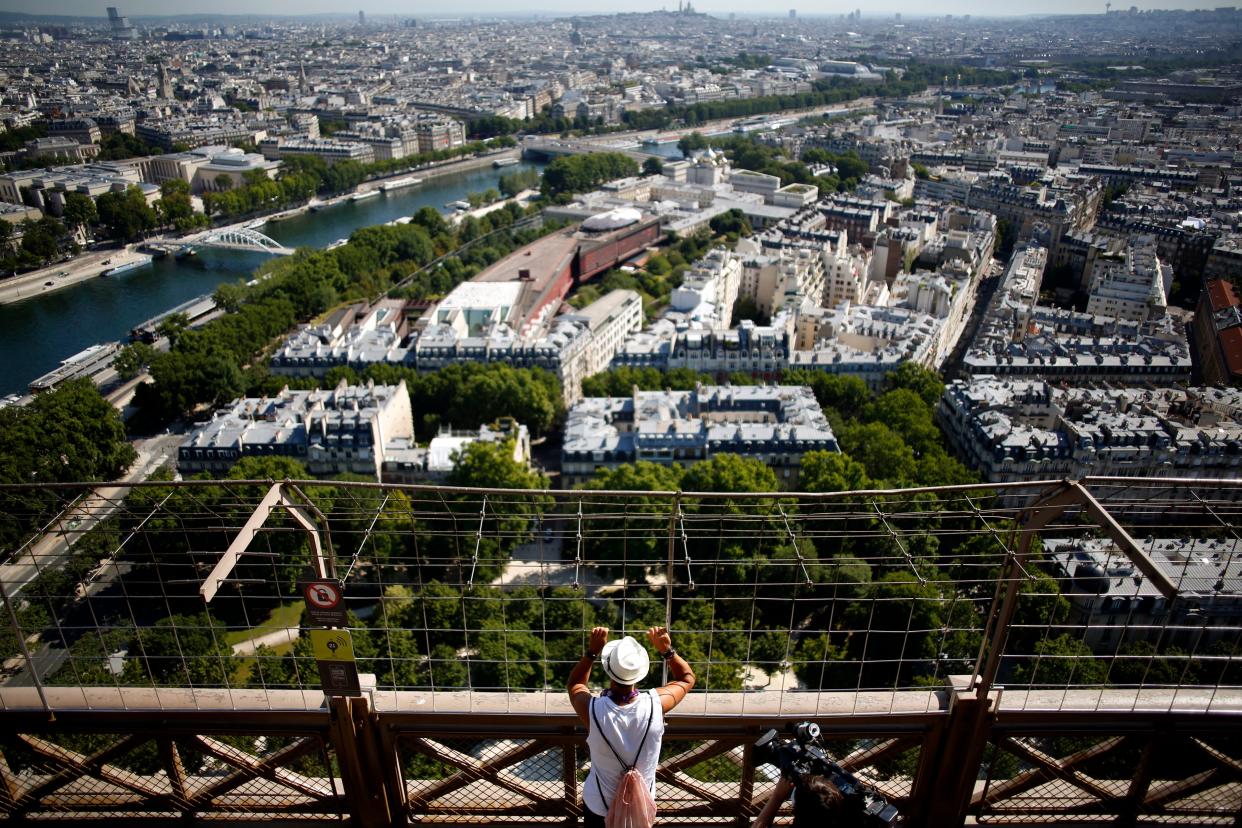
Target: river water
(36, 334)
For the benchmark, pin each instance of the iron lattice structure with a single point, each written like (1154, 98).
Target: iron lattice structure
(1016, 652)
(242, 238)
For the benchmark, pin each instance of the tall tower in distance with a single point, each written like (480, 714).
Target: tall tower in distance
(793, 14)
(362, 18)
(121, 27)
(165, 82)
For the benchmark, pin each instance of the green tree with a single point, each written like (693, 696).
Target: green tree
(716, 645)
(268, 468)
(229, 296)
(133, 359)
(126, 215)
(491, 465)
(626, 544)
(504, 521)
(175, 207)
(882, 452)
(906, 413)
(579, 173)
(732, 223)
(513, 183)
(1140, 663)
(730, 473)
(690, 143)
(847, 395)
(119, 146)
(79, 210)
(619, 382)
(182, 650)
(830, 471)
(507, 660)
(67, 435)
(653, 166)
(906, 629)
(922, 381)
(44, 240)
(173, 327)
(1059, 662)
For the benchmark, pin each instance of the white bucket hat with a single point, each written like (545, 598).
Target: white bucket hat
(625, 661)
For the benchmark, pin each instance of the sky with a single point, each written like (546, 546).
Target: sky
(446, 7)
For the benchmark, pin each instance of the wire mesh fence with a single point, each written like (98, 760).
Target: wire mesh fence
(103, 772)
(1168, 779)
(1117, 592)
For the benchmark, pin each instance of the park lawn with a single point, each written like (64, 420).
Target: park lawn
(285, 616)
(246, 666)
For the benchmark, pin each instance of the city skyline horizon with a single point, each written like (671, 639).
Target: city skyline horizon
(321, 8)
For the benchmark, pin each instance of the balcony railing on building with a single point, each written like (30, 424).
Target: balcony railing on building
(1014, 653)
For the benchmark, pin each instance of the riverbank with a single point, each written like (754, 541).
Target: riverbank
(425, 173)
(63, 275)
(91, 265)
(446, 168)
(36, 334)
(522, 199)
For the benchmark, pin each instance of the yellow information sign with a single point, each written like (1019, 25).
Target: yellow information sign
(332, 645)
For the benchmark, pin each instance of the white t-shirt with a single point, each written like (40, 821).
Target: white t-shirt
(623, 725)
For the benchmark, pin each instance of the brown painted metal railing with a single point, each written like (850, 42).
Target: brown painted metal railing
(941, 756)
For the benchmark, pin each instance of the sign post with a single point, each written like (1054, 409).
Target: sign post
(334, 653)
(325, 603)
(334, 648)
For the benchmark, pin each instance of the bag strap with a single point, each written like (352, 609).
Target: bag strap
(600, 730)
(630, 765)
(650, 717)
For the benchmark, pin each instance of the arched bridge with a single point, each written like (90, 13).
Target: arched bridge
(241, 238)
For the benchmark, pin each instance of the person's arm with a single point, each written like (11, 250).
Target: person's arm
(779, 794)
(579, 693)
(672, 693)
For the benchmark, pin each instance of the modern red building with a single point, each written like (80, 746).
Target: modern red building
(1218, 334)
(556, 263)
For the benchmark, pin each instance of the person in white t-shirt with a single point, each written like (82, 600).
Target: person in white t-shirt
(624, 724)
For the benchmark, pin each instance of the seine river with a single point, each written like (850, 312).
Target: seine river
(36, 334)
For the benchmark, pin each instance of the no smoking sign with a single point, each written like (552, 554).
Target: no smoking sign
(324, 603)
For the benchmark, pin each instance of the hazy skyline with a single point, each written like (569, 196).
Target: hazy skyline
(138, 8)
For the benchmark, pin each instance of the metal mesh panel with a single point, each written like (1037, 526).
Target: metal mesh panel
(1167, 779)
(466, 778)
(494, 591)
(138, 775)
(1109, 595)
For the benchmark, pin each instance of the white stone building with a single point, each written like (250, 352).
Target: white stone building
(344, 429)
(776, 424)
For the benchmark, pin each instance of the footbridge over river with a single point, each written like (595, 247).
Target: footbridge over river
(237, 238)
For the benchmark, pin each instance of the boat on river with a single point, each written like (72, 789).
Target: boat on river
(141, 261)
(400, 183)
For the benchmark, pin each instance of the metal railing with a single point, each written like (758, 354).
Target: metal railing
(1020, 652)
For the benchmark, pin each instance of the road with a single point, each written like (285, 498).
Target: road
(63, 275)
(856, 105)
(285, 635)
(983, 297)
(53, 548)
